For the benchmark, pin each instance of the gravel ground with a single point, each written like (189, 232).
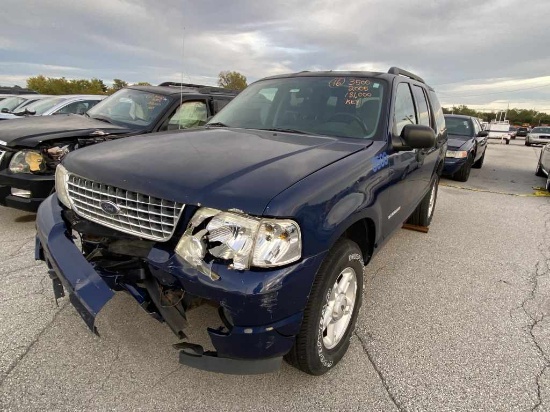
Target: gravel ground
(452, 320)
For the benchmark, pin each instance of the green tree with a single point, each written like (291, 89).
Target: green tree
(52, 85)
(142, 84)
(117, 85)
(232, 80)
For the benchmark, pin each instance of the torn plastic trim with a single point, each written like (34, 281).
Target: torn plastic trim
(88, 292)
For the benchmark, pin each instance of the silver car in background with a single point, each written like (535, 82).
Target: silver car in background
(13, 103)
(75, 104)
(538, 135)
(543, 166)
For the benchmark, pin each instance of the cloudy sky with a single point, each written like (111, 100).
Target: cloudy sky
(485, 54)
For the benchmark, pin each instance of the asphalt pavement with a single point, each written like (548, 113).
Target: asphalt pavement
(452, 320)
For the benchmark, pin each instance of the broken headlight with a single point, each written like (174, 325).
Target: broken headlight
(28, 161)
(242, 240)
(61, 178)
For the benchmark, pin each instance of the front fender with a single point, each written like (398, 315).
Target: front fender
(330, 200)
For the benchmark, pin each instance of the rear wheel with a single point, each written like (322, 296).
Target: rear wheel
(331, 312)
(464, 173)
(422, 215)
(548, 183)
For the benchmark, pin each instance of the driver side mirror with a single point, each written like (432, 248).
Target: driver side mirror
(5, 110)
(483, 133)
(415, 136)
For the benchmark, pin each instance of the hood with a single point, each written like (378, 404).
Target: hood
(33, 130)
(456, 142)
(219, 168)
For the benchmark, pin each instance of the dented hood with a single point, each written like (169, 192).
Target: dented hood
(219, 168)
(31, 131)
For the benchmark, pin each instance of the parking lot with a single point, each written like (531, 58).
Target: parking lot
(451, 320)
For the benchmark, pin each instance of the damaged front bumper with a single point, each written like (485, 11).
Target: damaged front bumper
(36, 187)
(262, 310)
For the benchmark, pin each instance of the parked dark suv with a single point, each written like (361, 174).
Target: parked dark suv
(31, 148)
(269, 214)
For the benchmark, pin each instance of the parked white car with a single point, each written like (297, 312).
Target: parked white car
(75, 104)
(14, 103)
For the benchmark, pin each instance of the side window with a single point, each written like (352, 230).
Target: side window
(219, 104)
(80, 107)
(422, 106)
(404, 112)
(477, 127)
(438, 112)
(189, 114)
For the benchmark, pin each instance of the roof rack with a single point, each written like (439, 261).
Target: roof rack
(397, 71)
(200, 87)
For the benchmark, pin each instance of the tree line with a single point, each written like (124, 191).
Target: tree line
(61, 85)
(515, 116)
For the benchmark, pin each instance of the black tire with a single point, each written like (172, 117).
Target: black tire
(479, 163)
(422, 215)
(309, 353)
(527, 142)
(539, 171)
(548, 183)
(464, 173)
(507, 141)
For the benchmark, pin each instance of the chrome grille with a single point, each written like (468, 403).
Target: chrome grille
(138, 214)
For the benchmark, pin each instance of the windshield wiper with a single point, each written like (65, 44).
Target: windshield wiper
(102, 119)
(282, 129)
(217, 124)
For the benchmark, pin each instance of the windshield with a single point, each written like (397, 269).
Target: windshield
(332, 106)
(459, 126)
(135, 109)
(541, 130)
(11, 103)
(41, 106)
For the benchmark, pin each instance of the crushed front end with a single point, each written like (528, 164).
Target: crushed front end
(113, 240)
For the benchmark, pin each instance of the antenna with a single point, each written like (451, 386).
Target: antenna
(182, 63)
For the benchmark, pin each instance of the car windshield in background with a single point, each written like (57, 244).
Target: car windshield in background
(545, 130)
(338, 106)
(40, 106)
(458, 126)
(11, 103)
(135, 109)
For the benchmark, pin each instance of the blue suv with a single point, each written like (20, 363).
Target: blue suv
(269, 214)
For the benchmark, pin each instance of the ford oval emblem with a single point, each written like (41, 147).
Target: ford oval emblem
(110, 208)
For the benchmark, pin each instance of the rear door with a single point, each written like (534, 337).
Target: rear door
(427, 158)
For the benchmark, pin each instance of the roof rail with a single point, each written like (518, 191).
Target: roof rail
(200, 87)
(397, 71)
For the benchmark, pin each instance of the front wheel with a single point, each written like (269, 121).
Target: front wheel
(331, 312)
(548, 183)
(527, 142)
(422, 215)
(539, 171)
(464, 173)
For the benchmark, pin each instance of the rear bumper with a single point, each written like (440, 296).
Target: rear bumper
(40, 187)
(452, 165)
(265, 308)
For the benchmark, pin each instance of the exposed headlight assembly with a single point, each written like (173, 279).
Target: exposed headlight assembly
(28, 161)
(457, 155)
(61, 187)
(242, 240)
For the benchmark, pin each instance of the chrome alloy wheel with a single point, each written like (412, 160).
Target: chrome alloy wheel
(432, 200)
(339, 308)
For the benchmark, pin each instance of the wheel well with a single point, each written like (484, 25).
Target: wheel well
(362, 232)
